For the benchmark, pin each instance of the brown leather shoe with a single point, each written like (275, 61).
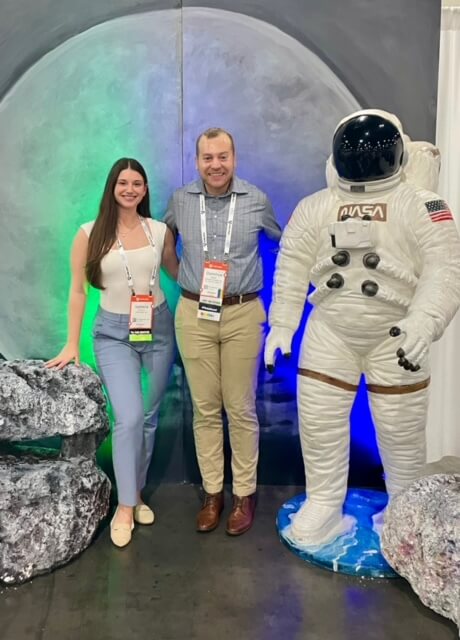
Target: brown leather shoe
(242, 515)
(209, 515)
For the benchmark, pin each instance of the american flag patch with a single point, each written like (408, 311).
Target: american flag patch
(438, 210)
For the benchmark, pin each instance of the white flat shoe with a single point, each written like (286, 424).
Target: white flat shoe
(121, 532)
(143, 514)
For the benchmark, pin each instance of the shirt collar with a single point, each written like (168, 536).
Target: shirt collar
(238, 186)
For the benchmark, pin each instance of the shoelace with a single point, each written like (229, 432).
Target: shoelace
(239, 503)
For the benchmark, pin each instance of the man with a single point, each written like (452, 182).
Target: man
(220, 320)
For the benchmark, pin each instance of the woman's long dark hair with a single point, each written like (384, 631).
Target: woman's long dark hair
(104, 231)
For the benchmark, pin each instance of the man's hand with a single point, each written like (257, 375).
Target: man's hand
(278, 338)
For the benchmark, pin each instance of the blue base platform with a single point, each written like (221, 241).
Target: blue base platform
(355, 553)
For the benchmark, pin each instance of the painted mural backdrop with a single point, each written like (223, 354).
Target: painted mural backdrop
(144, 85)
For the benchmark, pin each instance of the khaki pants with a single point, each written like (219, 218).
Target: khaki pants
(221, 361)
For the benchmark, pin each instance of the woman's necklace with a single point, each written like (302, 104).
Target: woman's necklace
(129, 229)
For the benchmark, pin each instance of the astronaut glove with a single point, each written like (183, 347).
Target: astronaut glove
(278, 338)
(419, 333)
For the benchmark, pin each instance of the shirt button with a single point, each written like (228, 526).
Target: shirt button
(215, 235)
(214, 258)
(215, 217)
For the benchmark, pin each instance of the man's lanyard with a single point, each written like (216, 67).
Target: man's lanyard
(124, 257)
(228, 233)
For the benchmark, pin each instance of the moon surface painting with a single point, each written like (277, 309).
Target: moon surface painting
(145, 85)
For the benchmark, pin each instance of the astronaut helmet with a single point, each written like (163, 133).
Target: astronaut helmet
(368, 146)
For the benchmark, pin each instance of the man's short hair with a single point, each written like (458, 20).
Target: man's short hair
(214, 132)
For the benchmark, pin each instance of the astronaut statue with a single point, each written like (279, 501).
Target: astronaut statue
(384, 257)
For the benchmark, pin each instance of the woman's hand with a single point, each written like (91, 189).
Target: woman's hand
(77, 302)
(68, 354)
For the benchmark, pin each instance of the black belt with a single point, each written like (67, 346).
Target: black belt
(245, 297)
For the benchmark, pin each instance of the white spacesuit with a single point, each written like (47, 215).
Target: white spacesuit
(382, 255)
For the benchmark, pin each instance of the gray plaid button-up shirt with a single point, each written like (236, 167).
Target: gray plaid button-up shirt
(253, 214)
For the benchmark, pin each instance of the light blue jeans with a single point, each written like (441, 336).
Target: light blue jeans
(120, 362)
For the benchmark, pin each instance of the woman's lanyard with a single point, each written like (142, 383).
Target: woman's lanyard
(124, 257)
(141, 307)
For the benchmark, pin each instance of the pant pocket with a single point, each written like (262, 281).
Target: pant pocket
(104, 328)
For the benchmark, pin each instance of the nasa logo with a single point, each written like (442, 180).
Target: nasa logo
(377, 212)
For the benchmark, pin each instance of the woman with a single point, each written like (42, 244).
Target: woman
(120, 253)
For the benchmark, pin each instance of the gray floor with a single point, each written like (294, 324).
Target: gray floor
(174, 584)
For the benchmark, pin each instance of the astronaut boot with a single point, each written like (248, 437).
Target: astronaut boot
(317, 524)
(325, 435)
(378, 520)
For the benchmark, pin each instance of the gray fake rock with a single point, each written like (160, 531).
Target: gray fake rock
(36, 402)
(51, 503)
(49, 512)
(421, 541)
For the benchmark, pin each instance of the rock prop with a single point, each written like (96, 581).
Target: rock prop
(37, 402)
(51, 502)
(421, 541)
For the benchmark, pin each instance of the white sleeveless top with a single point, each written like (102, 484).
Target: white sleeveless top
(116, 295)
